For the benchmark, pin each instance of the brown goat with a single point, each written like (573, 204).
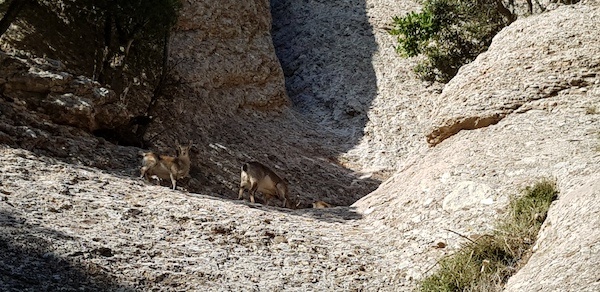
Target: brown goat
(167, 167)
(321, 205)
(257, 177)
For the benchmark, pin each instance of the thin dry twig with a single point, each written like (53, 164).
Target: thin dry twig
(460, 235)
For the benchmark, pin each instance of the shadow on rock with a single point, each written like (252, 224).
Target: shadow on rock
(330, 215)
(326, 50)
(29, 262)
(302, 157)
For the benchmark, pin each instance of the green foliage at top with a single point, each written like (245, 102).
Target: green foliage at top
(416, 30)
(449, 33)
(486, 263)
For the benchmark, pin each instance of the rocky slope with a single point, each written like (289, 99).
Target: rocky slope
(342, 71)
(230, 101)
(524, 110)
(73, 215)
(69, 227)
(233, 104)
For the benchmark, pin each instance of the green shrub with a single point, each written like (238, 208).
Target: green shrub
(416, 30)
(486, 264)
(450, 33)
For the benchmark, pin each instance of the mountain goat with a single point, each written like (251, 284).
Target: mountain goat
(257, 177)
(167, 167)
(321, 205)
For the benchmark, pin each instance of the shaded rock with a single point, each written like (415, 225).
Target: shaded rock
(64, 98)
(103, 251)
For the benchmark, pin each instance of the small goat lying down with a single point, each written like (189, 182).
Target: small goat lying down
(321, 205)
(257, 177)
(167, 167)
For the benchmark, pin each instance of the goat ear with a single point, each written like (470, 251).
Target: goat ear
(177, 144)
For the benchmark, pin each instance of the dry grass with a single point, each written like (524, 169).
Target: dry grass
(486, 263)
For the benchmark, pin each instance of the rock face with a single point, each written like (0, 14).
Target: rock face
(329, 78)
(42, 85)
(540, 70)
(343, 72)
(233, 105)
(224, 53)
(230, 101)
(526, 109)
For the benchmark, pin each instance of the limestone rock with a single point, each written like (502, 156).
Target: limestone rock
(73, 209)
(466, 194)
(519, 70)
(540, 79)
(40, 85)
(225, 54)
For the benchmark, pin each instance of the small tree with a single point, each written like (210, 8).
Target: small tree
(136, 42)
(11, 13)
(126, 23)
(126, 47)
(450, 33)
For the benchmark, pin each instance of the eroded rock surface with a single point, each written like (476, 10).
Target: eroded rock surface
(542, 134)
(44, 86)
(70, 227)
(224, 54)
(520, 70)
(106, 230)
